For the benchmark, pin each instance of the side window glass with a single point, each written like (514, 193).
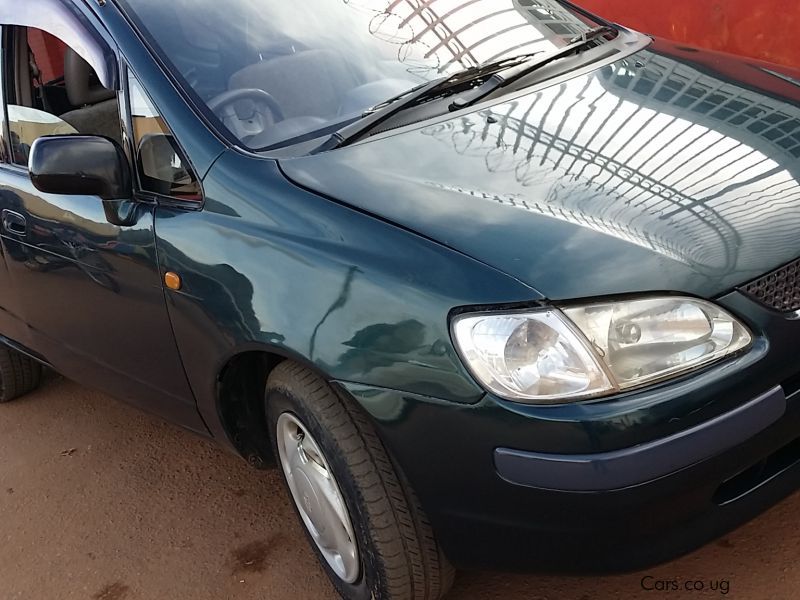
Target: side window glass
(163, 168)
(51, 90)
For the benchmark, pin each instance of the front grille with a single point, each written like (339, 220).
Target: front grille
(779, 290)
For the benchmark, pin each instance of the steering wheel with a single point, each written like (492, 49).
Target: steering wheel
(248, 119)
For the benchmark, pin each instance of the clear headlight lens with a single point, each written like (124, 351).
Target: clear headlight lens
(529, 356)
(553, 356)
(648, 340)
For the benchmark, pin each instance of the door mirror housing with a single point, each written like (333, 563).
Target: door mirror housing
(78, 165)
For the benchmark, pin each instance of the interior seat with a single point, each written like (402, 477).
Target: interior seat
(311, 83)
(99, 111)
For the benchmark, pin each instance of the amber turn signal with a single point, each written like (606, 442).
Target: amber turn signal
(173, 280)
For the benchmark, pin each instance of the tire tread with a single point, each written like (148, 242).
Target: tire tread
(415, 567)
(19, 374)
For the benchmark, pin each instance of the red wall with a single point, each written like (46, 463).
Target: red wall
(763, 29)
(49, 54)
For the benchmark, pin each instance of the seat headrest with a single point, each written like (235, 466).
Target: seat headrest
(81, 81)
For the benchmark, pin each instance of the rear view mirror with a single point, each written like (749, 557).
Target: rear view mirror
(80, 165)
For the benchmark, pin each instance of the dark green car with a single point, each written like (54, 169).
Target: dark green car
(495, 283)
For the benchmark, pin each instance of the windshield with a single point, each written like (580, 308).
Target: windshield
(274, 71)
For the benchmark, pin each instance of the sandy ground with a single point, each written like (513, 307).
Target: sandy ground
(101, 502)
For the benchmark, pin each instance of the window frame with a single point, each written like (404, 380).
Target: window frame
(6, 156)
(5, 132)
(97, 35)
(121, 70)
(92, 43)
(8, 81)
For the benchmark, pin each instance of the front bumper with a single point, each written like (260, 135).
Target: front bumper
(628, 467)
(615, 484)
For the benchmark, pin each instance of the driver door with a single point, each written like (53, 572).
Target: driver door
(84, 270)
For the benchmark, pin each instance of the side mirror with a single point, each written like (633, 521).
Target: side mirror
(80, 165)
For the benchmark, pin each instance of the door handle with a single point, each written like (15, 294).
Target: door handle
(14, 222)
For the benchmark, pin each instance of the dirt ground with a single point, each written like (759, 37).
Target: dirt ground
(101, 502)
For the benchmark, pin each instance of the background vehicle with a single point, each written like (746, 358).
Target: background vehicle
(486, 280)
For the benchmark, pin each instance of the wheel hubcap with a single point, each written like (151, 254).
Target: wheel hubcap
(317, 496)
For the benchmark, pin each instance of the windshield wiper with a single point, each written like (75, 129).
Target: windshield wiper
(503, 72)
(429, 89)
(508, 76)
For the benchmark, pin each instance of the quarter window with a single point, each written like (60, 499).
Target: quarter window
(162, 166)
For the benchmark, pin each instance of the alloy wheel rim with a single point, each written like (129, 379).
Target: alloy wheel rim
(317, 496)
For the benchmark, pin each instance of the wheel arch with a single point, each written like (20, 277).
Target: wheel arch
(240, 386)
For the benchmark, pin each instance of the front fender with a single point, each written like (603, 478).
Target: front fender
(268, 265)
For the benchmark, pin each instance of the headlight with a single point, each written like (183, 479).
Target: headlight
(554, 356)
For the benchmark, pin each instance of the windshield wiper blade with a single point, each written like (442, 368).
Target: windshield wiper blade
(592, 34)
(508, 76)
(388, 108)
(380, 113)
(504, 72)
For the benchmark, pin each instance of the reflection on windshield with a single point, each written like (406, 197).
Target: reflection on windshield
(324, 62)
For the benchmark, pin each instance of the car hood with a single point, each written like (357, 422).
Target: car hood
(654, 173)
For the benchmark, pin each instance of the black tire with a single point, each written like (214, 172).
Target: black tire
(399, 556)
(19, 374)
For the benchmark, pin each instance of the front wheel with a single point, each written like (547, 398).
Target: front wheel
(364, 522)
(19, 374)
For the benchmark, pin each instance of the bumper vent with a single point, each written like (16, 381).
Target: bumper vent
(779, 290)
